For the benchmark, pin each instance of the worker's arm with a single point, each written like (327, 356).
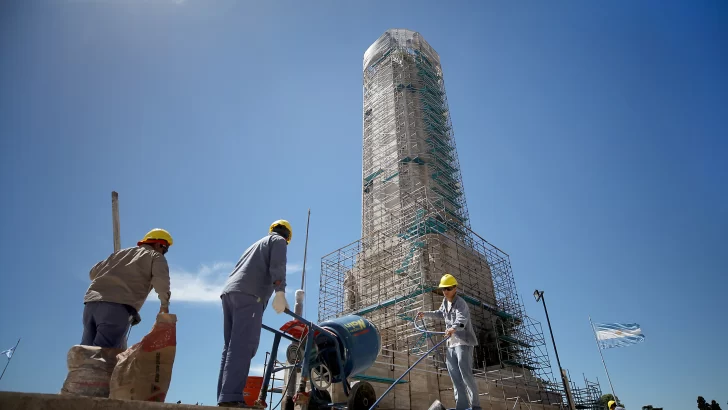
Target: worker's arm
(278, 258)
(434, 314)
(160, 279)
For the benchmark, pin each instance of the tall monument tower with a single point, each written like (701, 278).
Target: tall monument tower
(409, 150)
(415, 228)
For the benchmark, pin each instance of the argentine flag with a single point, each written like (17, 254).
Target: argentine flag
(618, 334)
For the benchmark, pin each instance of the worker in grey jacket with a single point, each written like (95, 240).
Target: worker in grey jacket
(119, 286)
(460, 346)
(259, 272)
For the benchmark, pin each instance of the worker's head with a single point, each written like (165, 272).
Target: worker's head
(612, 405)
(282, 228)
(159, 239)
(448, 285)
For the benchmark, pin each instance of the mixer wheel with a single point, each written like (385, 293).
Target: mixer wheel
(321, 376)
(361, 397)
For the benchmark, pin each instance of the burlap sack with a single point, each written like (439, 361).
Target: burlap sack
(144, 371)
(89, 371)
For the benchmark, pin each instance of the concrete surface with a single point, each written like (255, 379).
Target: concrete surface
(36, 401)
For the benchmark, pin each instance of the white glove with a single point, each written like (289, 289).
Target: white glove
(279, 302)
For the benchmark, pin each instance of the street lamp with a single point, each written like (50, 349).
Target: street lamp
(538, 295)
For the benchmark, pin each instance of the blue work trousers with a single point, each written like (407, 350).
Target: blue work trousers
(105, 324)
(243, 321)
(460, 367)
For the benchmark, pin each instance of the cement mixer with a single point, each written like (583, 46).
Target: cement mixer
(332, 352)
(323, 354)
(338, 348)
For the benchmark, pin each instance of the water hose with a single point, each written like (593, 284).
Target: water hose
(374, 406)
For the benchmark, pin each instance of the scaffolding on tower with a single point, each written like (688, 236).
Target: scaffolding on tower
(415, 228)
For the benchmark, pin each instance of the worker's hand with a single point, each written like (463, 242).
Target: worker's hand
(450, 332)
(279, 302)
(276, 283)
(164, 309)
(301, 398)
(420, 315)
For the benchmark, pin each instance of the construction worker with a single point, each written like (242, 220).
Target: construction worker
(460, 345)
(612, 405)
(259, 272)
(119, 286)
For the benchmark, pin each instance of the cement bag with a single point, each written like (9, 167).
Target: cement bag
(89, 371)
(144, 371)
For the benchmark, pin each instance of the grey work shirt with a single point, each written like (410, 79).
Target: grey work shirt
(127, 277)
(456, 315)
(262, 264)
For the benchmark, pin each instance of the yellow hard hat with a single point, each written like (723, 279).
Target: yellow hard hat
(157, 235)
(285, 224)
(611, 403)
(448, 280)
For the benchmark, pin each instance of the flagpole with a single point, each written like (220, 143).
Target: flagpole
(603, 362)
(9, 359)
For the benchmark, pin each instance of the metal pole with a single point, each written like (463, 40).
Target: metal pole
(9, 359)
(561, 370)
(374, 406)
(603, 362)
(115, 219)
(305, 251)
(269, 367)
(298, 309)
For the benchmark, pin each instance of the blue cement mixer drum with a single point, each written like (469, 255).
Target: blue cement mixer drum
(358, 341)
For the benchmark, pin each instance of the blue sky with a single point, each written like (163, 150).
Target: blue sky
(592, 139)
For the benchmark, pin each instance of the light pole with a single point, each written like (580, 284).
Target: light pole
(538, 295)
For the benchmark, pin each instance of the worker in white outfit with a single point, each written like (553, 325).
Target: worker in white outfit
(259, 272)
(460, 346)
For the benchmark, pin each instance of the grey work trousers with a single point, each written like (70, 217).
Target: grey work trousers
(460, 367)
(243, 321)
(105, 324)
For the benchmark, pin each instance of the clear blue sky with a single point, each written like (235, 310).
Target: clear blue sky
(592, 138)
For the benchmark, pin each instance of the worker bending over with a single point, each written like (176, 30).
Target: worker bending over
(460, 345)
(259, 272)
(119, 286)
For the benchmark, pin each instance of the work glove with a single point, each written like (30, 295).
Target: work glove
(279, 302)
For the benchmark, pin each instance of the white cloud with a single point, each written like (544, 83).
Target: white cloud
(206, 284)
(256, 370)
(201, 286)
(293, 268)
